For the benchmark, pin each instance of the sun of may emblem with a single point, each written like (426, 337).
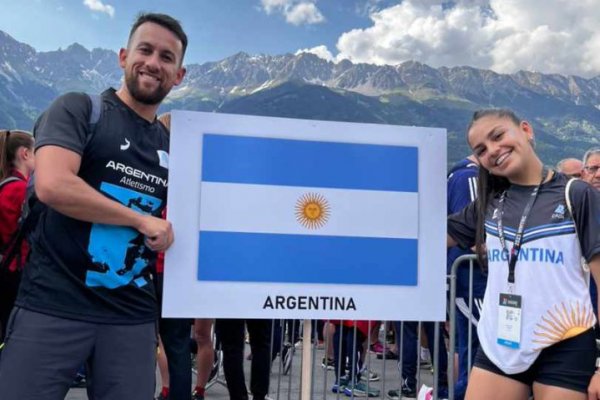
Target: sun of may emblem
(312, 210)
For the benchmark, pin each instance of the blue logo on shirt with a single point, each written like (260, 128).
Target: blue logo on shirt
(119, 253)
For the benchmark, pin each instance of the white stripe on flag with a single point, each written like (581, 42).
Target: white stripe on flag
(247, 208)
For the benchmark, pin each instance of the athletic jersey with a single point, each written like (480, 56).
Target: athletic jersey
(96, 272)
(548, 275)
(462, 190)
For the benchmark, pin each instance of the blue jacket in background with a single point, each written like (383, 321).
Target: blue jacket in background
(462, 190)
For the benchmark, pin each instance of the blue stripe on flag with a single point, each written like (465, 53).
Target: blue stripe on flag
(267, 161)
(259, 257)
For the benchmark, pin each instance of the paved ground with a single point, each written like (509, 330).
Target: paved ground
(288, 386)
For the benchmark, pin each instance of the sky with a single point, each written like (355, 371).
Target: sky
(548, 36)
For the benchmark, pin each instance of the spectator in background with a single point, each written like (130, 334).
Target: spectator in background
(205, 356)
(348, 346)
(462, 190)
(17, 161)
(328, 361)
(571, 167)
(591, 174)
(174, 347)
(591, 167)
(174, 334)
(410, 346)
(230, 333)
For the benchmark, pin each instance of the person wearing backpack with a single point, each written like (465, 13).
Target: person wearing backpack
(17, 161)
(531, 227)
(87, 293)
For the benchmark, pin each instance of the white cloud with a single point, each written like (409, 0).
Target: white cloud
(296, 12)
(271, 6)
(304, 13)
(97, 5)
(319, 51)
(556, 36)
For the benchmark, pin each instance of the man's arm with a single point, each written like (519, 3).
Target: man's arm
(58, 186)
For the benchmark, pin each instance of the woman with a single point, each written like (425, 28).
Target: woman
(536, 327)
(17, 161)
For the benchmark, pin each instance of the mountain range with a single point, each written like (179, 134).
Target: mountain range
(564, 110)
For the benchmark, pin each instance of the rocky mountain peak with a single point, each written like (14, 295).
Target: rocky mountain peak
(304, 85)
(13, 50)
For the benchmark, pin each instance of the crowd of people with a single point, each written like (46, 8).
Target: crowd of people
(81, 294)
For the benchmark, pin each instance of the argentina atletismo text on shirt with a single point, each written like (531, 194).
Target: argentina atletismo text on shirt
(87, 295)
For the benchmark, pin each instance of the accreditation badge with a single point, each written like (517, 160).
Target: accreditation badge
(509, 320)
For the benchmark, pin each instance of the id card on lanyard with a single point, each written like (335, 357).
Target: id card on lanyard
(510, 304)
(509, 320)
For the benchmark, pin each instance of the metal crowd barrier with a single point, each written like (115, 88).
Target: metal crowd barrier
(472, 259)
(286, 383)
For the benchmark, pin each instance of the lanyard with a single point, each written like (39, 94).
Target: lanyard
(514, 253)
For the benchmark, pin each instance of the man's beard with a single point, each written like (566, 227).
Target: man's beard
(151, 99)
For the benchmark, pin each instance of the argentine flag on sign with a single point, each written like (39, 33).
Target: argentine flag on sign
(301, 211)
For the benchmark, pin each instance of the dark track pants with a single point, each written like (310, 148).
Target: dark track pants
(43, 353)
(231, 335)
(175, 336)
(9, 287)
(410, 347)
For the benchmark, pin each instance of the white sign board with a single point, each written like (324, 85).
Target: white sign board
(284, 218)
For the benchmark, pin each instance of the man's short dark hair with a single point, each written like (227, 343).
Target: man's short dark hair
(166, 22)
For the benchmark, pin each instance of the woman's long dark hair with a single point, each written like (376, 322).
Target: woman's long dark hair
(489, 186)
(10, 142)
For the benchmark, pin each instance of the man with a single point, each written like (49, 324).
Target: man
(591, 174)
(571, 167)
(462, 190)
(591, 168)
(105, 187)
